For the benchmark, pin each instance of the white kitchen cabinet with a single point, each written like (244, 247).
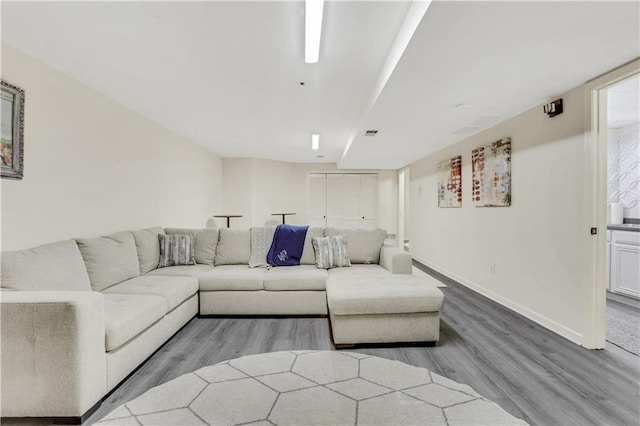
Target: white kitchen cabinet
(625, 263)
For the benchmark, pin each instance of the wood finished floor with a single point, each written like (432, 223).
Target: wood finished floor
(529, 371)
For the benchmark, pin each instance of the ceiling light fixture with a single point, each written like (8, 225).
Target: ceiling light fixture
(312, 30)
(315, 141)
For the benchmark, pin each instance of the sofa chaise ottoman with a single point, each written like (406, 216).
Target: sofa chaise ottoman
(382, 308)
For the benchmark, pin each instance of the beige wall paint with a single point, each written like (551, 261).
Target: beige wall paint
(256, 188)
(536, 243)
(93, 166)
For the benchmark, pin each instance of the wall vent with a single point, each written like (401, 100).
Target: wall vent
(370, 132)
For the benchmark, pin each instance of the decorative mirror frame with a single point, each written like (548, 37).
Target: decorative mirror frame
(12, 152)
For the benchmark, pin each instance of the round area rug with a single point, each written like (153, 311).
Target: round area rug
(310, 388)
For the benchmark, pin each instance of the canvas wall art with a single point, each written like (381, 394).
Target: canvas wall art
(450, 182)
(491, 168)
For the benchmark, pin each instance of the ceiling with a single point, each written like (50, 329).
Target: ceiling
(227, 75)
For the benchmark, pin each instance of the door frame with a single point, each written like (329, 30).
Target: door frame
(595, 199)
(403, 192)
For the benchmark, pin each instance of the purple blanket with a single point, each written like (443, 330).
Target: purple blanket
(287, 245)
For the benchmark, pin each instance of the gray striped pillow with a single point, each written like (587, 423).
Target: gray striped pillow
(176, 249)
(331, 252)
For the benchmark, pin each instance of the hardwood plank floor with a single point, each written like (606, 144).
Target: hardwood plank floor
(529, 371)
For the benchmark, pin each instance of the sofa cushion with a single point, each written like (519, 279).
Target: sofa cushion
(205, 243)
(174, 289)
(233, 277)
(55, 266)
(127, 315)
(303, 277)
(261, 240)
(234, 247)
(176, 249)
(308, 255)
(331, 252)
(148, 248)
(359, 270)
(392, 294)
(110, 259)
(363, 245)
(181, 271)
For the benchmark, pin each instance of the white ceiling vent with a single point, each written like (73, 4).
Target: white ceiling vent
(370, 132)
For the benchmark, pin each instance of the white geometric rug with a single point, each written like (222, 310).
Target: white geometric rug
(310, 388)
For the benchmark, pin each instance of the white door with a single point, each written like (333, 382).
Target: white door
(317, 184)
(369, 207)
(335, 196)
(351, 200)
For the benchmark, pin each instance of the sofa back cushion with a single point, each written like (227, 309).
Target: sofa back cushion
(308, 255)
(363, 245)
(234, 247)
(110, 259)
(148, 248)
(55, 266)
(206, 241)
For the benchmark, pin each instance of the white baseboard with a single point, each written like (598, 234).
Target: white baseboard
(534, 316)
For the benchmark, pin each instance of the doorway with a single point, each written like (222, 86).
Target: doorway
(598, 216)
(623, 220)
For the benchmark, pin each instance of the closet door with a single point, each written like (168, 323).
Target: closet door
(317, 184)
(335, 205)
(369, 200)
(351, 200)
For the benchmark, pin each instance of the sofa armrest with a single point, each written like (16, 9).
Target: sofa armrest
(395, 260)
(53, 352)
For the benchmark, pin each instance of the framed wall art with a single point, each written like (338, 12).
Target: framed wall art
(12, 131)
(491, 168)
(450, 183)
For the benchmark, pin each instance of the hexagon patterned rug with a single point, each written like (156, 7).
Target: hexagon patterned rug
(310, 388)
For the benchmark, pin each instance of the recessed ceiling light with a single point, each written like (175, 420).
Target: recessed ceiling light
(312, 30)
(319, 156)
(315, 141)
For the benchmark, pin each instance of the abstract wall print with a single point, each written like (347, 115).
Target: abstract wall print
(491, 167)
(11, 131)
(450, 182)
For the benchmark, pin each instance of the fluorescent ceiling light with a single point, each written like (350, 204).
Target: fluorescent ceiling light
(315, 141)
(312, 30)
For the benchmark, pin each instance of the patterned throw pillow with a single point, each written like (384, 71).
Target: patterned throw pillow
(177, 249)
(331, 252)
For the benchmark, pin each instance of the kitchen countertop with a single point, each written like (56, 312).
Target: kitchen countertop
(625, 227)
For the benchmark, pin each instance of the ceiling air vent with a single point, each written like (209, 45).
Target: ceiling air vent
(370, 132)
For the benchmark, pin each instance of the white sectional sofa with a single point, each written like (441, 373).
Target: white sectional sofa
(78, 316)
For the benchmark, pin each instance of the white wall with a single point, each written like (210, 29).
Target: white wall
(535, 243)
(92, 166)
(623, 176)
(256, 188)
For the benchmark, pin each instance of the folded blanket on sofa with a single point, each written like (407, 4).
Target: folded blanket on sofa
(287, 245)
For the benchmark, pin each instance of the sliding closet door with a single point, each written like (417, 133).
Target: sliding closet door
(351, 201)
